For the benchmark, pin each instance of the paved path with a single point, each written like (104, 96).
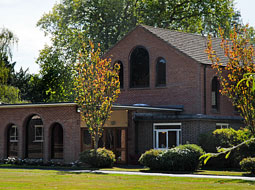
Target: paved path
(162, 174)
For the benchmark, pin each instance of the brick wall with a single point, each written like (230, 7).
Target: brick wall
(66, 116)
(184, 76)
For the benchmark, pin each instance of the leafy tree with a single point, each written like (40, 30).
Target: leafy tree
(8, 94)
(97, 86)
(235, 77)
(195, 16)
(56, 76)
(107, 21)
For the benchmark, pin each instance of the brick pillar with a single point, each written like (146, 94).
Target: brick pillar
(21, 141)
(46, 143)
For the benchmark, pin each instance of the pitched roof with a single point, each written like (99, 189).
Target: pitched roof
(193, 45)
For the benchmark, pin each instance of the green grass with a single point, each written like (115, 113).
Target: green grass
(50, 179)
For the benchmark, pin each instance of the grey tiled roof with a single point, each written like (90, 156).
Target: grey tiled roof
(193, 45)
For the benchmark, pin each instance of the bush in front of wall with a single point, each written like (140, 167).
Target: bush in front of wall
(226, 138)
(151, 159)
(248, 164)
(181, 158)
(102, 158)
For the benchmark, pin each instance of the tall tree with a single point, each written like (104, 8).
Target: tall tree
(8, 94)
(236, 77)
(56, 76)
(97, 87)
(106, 21)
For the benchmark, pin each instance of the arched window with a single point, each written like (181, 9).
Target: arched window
(12, 141)
(139, 68)
(215, 93)
(121, 74)
(161, 72)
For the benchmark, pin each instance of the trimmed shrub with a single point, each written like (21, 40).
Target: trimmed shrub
(248, 164)
(227, 138)
(151, 159)
(181, 158)
(99, 159)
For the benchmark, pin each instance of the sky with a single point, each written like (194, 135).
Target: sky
(21, 16)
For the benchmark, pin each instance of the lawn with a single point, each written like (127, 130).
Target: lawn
(51, 179)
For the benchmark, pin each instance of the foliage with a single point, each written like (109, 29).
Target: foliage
(240, 54)
(248, 164)
(240, 62)
(181, 158)
(101, 158)
(97, 86)
(151, 159)
(194, 148)
(56, 76)
(9, 94)
(222, 139)
(107, 21)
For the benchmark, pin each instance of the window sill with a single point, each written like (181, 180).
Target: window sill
(14, 141)
(38, 141)
(160, 87)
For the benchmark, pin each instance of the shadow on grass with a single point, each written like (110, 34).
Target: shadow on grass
(90, 171)
(223, 181)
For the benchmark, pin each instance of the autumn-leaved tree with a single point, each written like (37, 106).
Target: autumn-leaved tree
(97, 87)
(236, 77)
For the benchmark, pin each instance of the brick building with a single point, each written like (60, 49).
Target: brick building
(169, 95)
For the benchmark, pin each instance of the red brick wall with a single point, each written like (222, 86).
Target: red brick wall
(225, 106)
(184, 76)
(64, 115)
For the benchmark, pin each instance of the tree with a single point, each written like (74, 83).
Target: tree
(236, 77)
(97, 87)
(8, 94)
(107, 21)
(56, 76)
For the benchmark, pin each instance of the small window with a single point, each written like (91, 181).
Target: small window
(13, 133)
(139, 68)
(161, 72)
(121, 74)
(38, 133)
(222, 125)
(215, 93)
(167, 135)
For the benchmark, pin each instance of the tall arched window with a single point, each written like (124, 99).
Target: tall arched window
(121, 74)
(161, 72)
(139, 68)
(215, 93)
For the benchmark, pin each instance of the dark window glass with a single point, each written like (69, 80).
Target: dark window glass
(139, 68)
(161, 72)
(86, 138)
(57, 142)
(215, 93)
(121, 74)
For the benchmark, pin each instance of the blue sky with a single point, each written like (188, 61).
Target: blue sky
(21, 16)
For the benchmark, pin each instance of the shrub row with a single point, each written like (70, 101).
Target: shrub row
(181, 158)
